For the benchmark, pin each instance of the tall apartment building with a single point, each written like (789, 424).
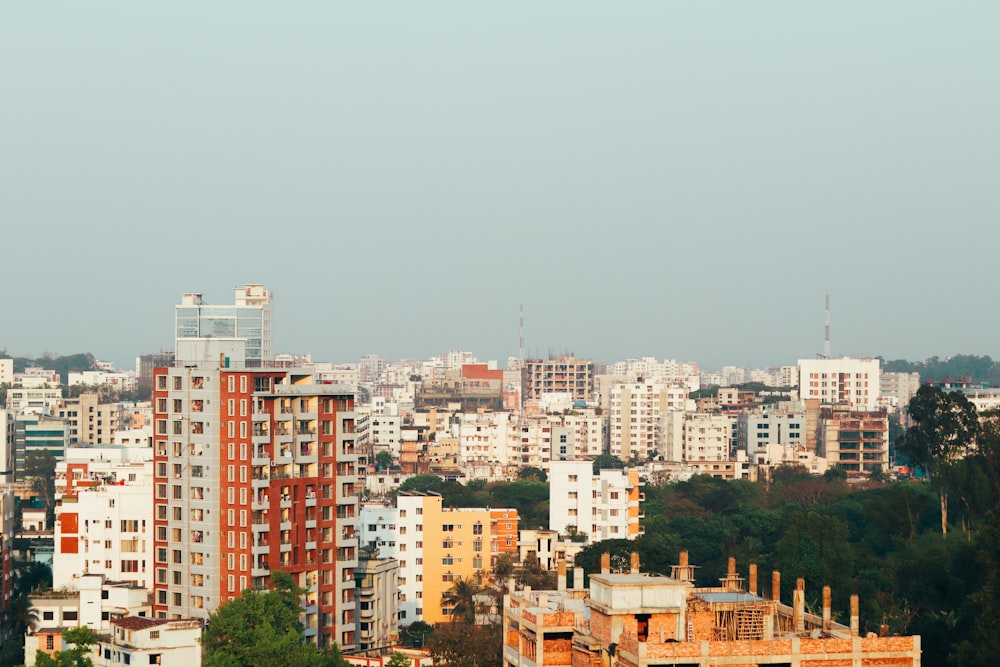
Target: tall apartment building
(255, 470)
(560, 375)
(249, 319)
(603, 506)
(104, 523)
(694, 437)
(436, 547)
(634, 416)
(854, 382)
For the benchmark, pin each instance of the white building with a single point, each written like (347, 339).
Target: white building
(603, 506)
(104, 523)
(6, 371)
(765, 432)
(94, 606)
(899, 386)
(126, 380)
(249, 319)
(634, 416)
(852, 382)
(692, 437)
(136, 640)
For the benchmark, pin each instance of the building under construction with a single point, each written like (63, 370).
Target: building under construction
(635, 619)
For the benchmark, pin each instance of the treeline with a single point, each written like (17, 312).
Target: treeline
(63, 365)
(530, 497)
(961, 366)
(882, 542)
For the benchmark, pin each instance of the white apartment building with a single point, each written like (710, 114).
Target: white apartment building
(765, 432)
(35, 400)
(603, 506)
(634, 416)
(901, 387)
(104, 523)
(852, 382)
(690, 437)
(125, 380)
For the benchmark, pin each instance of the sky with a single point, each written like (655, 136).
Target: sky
(676, 179)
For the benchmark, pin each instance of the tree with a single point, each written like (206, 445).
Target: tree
(40, 470)
(416, 633)
(461, 599)
(262, 630)
(531, 472)
(946, 427)
(423, 483)
(397, 659)
(383, 460)
(80, 640)
(462, 645)
(607, 462)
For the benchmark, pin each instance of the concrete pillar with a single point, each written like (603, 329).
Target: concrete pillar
(855, 616)
(776, 586)
(798, 608)
(683, 559)
(826, 609)
(605, 563)
(752, 584)
(561, 575)
(634, 563)
(578, 578)
(732, 566)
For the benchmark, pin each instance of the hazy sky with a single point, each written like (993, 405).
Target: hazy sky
(683, 180)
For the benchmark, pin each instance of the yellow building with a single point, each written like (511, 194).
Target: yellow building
(438, 546)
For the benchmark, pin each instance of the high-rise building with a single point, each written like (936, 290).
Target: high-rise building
(255, 470)
(249, 319)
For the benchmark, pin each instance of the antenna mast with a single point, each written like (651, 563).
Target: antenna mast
(826, 344)
(522, 336)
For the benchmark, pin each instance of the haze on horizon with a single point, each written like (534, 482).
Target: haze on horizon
(676, 180)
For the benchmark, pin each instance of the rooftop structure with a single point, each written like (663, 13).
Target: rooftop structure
(636, 619)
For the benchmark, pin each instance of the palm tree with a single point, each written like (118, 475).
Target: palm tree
(461, 599)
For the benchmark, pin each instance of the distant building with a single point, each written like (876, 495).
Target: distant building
(853, 382)
(562, 374)
(857, 441)
(33, 433)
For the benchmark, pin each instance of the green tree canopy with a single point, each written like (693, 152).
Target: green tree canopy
(262, 629)
(945, 430)
(423, 484)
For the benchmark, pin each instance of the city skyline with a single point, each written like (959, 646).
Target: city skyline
(682, 181)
